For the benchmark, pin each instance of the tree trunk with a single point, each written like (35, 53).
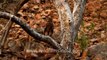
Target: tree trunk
(66, 20)
(70, 23)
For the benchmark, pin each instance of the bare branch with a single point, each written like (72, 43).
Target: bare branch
(5, 33)
(31, 31)
(48, 51)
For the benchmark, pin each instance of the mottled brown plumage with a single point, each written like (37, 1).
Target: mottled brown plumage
(49, 27)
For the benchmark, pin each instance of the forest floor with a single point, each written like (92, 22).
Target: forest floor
(93, 30)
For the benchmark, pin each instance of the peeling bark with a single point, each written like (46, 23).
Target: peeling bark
(66, 21)
(70, 23)
(67, 26)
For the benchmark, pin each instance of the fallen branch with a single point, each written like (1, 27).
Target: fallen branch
(48, 51)
(31, 31)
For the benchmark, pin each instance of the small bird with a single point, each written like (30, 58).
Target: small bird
(49, 27)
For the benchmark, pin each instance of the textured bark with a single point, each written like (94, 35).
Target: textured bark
(70, 23)
(66, 20)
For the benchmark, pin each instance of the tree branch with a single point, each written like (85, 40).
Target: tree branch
(31, 31)
(79, 6)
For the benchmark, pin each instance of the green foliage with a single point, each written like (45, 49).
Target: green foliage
(91, 27)
(83, 40)
(82, 24)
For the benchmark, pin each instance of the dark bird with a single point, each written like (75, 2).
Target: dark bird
(49, 27)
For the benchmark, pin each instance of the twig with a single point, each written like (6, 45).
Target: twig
(4, 35)
(49, 51)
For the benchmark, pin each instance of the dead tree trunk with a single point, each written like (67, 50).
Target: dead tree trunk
(67, 26)
(70, 22)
